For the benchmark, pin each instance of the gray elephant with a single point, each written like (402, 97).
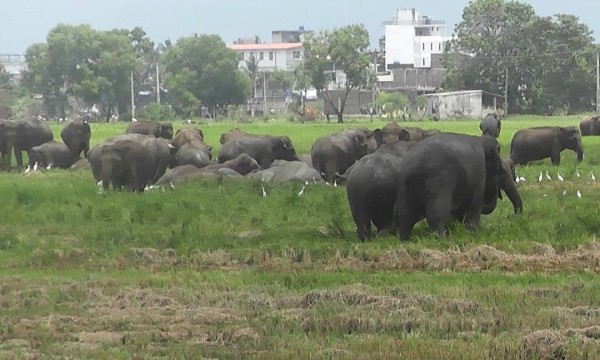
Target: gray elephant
(236, 133)
(263, 149)
(93, 155)
(332, 154)
(372, 186)
(162, 154)
(76, 135)
(155, 128)
(491, 125)
(590, 125)
(52, 154)
(446, 177)
(80, 164)
(542, 142)
(125, 164)
(393, 132)
(22, 135)
(242, 165)
(306, 158)
(282, 170)
(191, 148)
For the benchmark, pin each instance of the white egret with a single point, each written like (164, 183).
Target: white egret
(548, 176)
(302, 191)
(35, 166)
(578, 194)
(264, 193)
(560, 178)
(577, 173)
(593, 176)
(540, 177)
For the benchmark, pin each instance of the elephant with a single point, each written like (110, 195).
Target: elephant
(80, 164)
(236, 133)
(506, 183)
(305, 158)
(195, 152)
(393, 132)
(186, 135)
(22, 135)
(76, 135)
(243, 164)
(333, 154)
(93, 155)
(372, 187)
(52, 154)
(154, 128)
(491, 125)
(263, 149)
(541, 142)
(282, 170)
(444, 177)
(590, 125)
(126, 163)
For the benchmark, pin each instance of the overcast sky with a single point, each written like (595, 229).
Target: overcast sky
(25, 22)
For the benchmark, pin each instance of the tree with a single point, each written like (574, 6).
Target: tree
(548, 60)
(346, 49)
(5, 81)
(201, 70)
(302, 84)
(394, 103)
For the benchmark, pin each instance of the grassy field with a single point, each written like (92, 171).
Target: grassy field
(217, 271)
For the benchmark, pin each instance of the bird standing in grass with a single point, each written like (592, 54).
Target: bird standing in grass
(302, 190)
(577, 173)
(264, 193)
(540, 177)
(548, 176)
(593, 176)
(579, 194)
(560, 178)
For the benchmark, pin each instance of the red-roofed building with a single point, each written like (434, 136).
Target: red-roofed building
(271, 57)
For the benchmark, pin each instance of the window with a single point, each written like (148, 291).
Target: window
(423, 61)
(271, 55)
(423, 46)
(437, 28)
(431, 46)
(440, 46)
(261, 56)
(296, 54)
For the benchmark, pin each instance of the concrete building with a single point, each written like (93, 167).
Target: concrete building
(467, 104)
(413, 41)
(289, 36)
(271, 57)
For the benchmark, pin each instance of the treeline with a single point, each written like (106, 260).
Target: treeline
(550, 61)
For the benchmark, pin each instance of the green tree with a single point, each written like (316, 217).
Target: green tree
(301, 85)
(394, 103)
(5, 80)
(201, 70)
(346, 48)
(548, 60)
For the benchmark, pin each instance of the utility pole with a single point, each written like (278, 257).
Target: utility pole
(506, 93)
(132, 97)
(598, 83)
(264, 93)
(157, 84)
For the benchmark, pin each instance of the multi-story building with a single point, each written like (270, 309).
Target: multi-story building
(14, 64)
(413, 41)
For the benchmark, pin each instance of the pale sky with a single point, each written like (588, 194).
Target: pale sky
(25, 22)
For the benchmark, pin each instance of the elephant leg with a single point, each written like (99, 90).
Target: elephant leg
(555, 156)
(437, 212)
(406, 218)
(330, 170)
(19, 157)
(473, 215)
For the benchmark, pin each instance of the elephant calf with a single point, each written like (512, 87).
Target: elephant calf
(124, 164)
(491, 125)
(282, 170)
(155, 128)
(542, 142)
(263, 149)
(76, 135)
(52, 154)
(590, 126)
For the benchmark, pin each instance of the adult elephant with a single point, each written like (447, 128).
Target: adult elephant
(263, 149)
(93, 155)
(185, 135)
(22, 135)
(491, 125)
(393, 132)
(52, 154)
(372, 188)
(542, 142)
(445, 177)
(162, 154)
(507, 184)
(236, 133)
(126, 163)
(155, 128)
(282, 170)
(332, 154)
(590, 125)
(76, 135)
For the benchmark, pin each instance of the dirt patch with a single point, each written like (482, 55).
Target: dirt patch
(102, 337)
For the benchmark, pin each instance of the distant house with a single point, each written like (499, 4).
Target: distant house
(467, 104)
(271, 57)
(14, 64)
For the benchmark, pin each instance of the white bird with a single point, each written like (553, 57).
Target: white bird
(264, 193)
(564, 192)
(28, 169)
(99, 184)
(540, 177)
(171, 184)
(302, 191)
(334, 183)
(314, 180)
(49, 167)
(306, 183)
(327, 183)
(560, 178)
(577, 173)
(35, 166)
(548, 176)
(522, 179)
(578, 194)
(593, 176)
(518, 179)
(133, 120)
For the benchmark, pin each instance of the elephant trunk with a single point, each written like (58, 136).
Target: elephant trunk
(510, 188)
(490, 196)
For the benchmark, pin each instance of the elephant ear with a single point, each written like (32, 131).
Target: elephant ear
(378, 134)
(404, 135)
(285, 142)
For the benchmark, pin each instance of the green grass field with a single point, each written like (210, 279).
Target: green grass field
(218, 271)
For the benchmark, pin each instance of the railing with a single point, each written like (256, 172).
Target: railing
(414, 22)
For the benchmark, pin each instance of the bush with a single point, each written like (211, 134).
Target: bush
(156, 112)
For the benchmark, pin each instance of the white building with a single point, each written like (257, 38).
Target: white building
(14, 64)
(412, 40)
(270, 57)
